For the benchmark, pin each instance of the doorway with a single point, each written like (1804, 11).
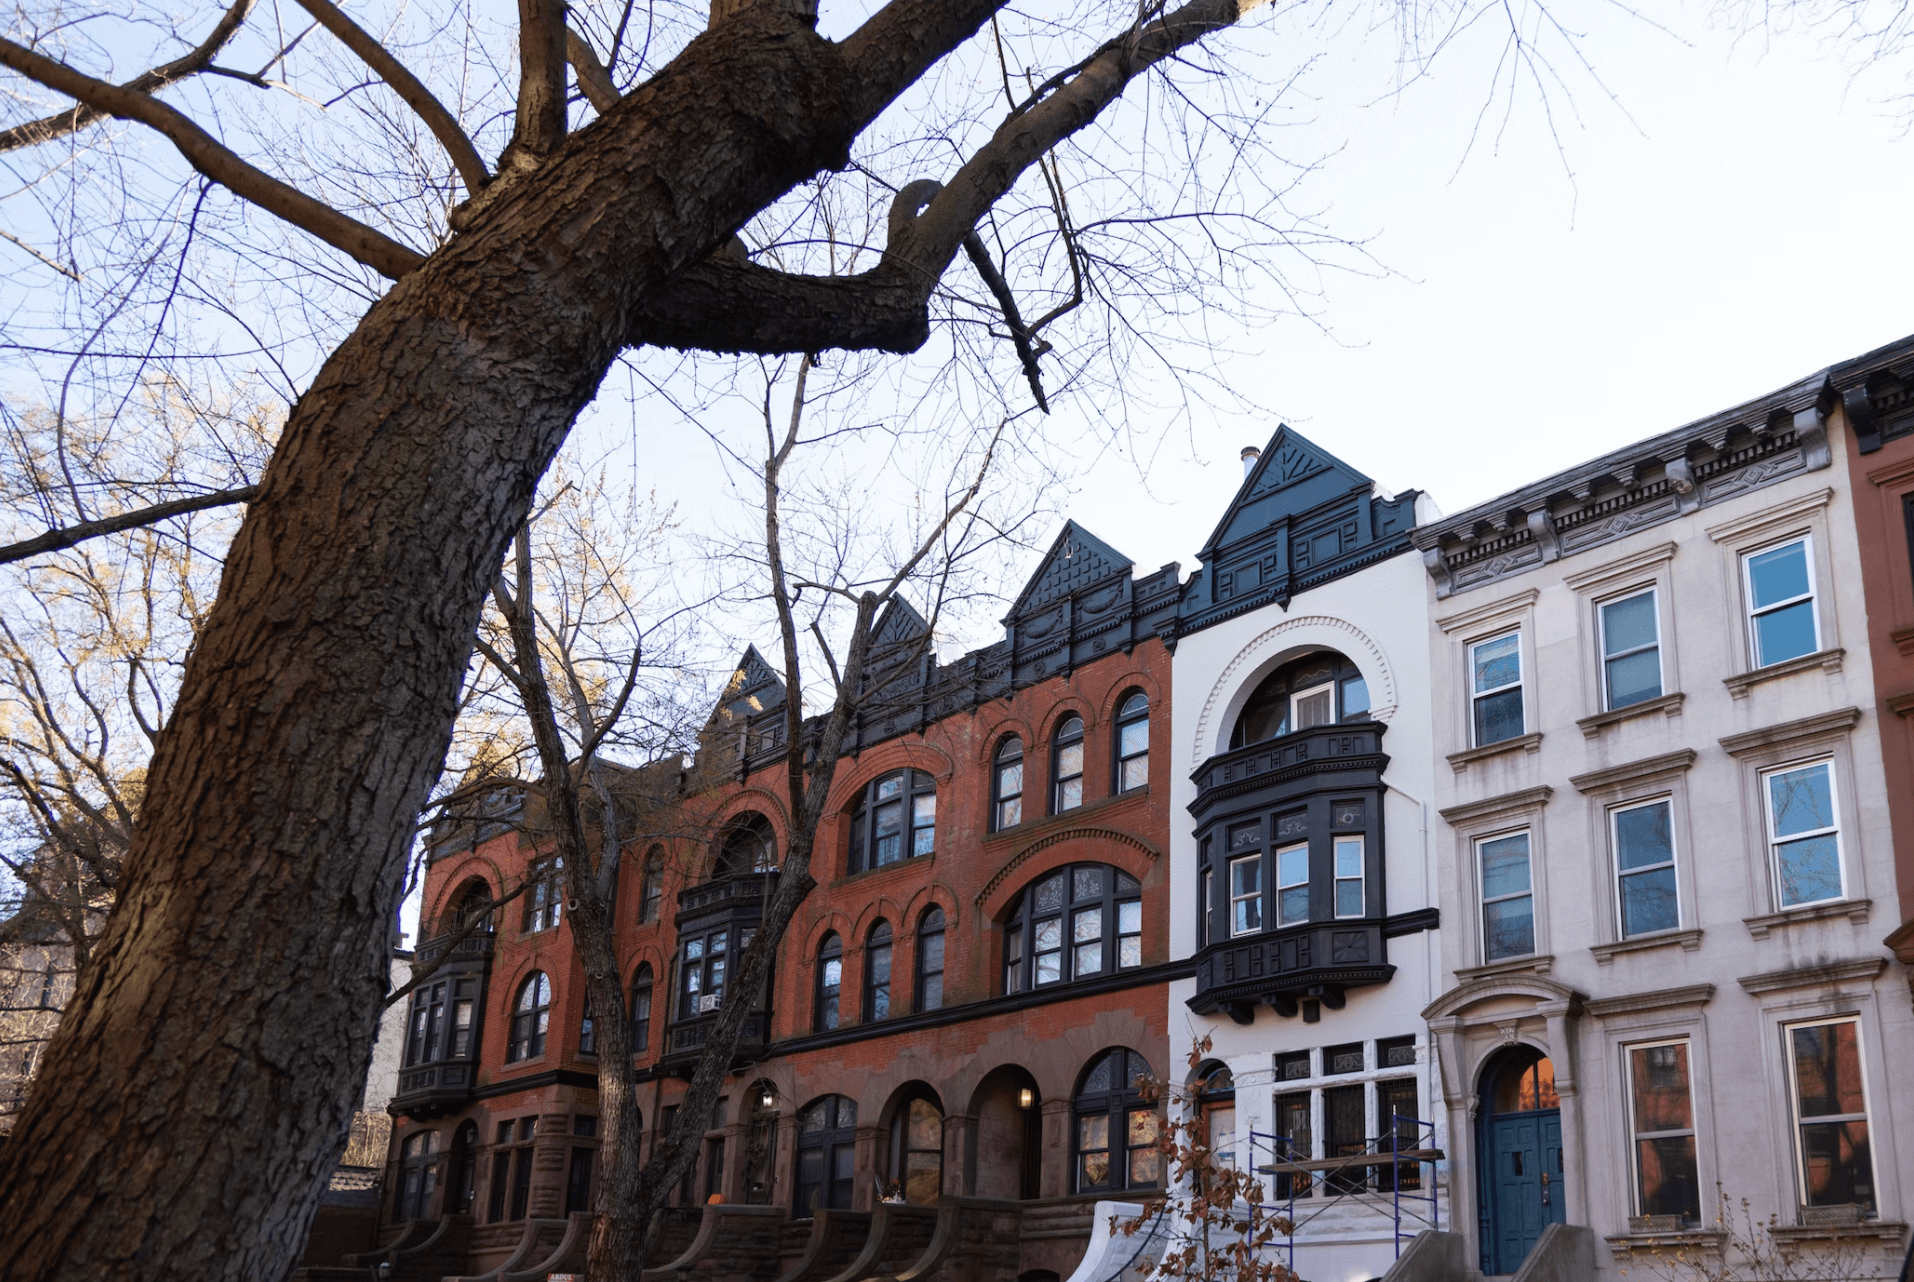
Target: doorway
(1519, 1141)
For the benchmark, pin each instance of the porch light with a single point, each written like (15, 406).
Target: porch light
(767, 1099)
(1026, 1097)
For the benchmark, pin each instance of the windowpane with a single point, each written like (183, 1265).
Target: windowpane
(1786, 633)
(1497, 663)
(1086, 883)
(1505, 866)
(1349, 874)
(1634, 678)
(1781, 604)
(1779, 574)
(1050, 894)
(1088, 925)
(1246, 895)
(1130, 918)
(1315, 707)
(1628, 624)
(1355, 698)
(1649, 902)
(1801, 807)
(1498, 716)
(1292, 885)
(1134, 738)
(1642, 837)
(1836, 1156)
(1802, 800)
(1508, 928)
(1644, 859)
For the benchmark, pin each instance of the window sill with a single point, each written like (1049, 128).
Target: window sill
(1891, 1232)
(1668, 704)
(1689, 940)
(1678, 1242)
(1042, 823)
(1741, 683)
(915, 861)
(1855, 910)
(1461, 761)
(1533, 964)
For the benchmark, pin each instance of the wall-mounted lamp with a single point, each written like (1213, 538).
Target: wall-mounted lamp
(767, 1099)
(1026, 1097)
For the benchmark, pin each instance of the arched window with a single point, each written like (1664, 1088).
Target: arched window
(877, 972)
(830, 980)
(1116, 1132)
(418, 1175)
(530, 1015)
(651, 888)
(1006, 788)
(545, 897)
(1079, 921)
(1316, 690)
(826, 1155)
(749, 847)
(1066, 765)
(474, 904)
(917, 1151)
(930, 959)
(896, 818)
(1133, 742)
(641, 1008)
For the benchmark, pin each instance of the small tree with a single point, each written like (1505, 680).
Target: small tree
(1738, 1247)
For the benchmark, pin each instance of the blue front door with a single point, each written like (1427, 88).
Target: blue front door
(1525, 1184)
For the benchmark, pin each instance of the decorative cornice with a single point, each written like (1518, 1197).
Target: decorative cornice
(1492, 610)
(1689, 940)
(1509, 803)
(1757, 523)
(1660, 999)
(1634, 771)
(1855, 910)
(1776, 981)
(1050, 839)
(1533, 964)
(1467, 994)
(1790, 732)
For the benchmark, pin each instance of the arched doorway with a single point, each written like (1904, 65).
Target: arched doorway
(463, 1174)
(826, 1156)
(1519, 1139)
(1006, 1158)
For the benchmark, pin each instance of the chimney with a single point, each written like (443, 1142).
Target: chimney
(1250, 455)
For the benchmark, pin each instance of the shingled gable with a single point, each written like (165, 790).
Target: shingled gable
(754, 689)
(1077, 560)
(1301, 517)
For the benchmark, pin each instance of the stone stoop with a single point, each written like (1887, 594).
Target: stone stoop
(830, 1241)
(1057, 1218)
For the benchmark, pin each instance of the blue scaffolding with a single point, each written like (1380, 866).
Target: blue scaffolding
(1359, 1172)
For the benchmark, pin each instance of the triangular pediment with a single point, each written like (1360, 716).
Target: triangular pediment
(754, 687)
(1077, 560)
(899, 626)
(1293, 476)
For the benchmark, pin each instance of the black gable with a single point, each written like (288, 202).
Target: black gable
(754, 688)
(1077, 560)
(1301, 517)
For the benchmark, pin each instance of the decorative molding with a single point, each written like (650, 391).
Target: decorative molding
(1742, 682)
(1790, 732)
(1855, 910)
(1475, 987)
(1660, 999)
(1669, 704)
(1622, 567)
(1483, 613)
(1903, 639)
(1509, 803)
(1052, 838)
(1757, 524)
(1777, 981)
(1794, 1236)
(1534, 964)
(1461, 761)
(1689, 940)
(1647, 768)
(1226, 686)
(1901, 705)
(1686, 1242)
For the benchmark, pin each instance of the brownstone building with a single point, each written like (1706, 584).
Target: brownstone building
(960, 1007)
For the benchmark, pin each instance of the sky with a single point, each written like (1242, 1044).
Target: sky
(1728, 223)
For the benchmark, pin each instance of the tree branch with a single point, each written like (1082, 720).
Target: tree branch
(58, 125)
(212, 158)
(1007, 301)
(67, 536)
(540, 126)
(593, 77)
(402, 82)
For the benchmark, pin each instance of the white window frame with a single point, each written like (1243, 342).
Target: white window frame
(1796, 1121)
(1635, 1137)
(1653, 593)
(1483, 901)
(1617, 873)
(1361, 878)
(1296, 699)
(1518, 685)
(1282, 885)
(1237, 930)
(1774, 841)
(1813, 597)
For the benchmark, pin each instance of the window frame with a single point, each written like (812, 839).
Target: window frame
(1069, 734)
(1337, 877)
(1750, 613)
(1283, 920)
(535, 1019)
(710, 969)
(827, 998)
(1130, 713)
(1773, 842)
(1631, 1120)
(1604, 658)
(1020, 930)
(1002, 817)
(1477, 844)
(1253, 896)
(880, 955)
(651, 886)
(644, 987)
(1331, 688)
(1798, 1123)
(915, 787)
(1476, 696)
(920, 963)
(1115, 1106)
(1618, 875)
(544, 897)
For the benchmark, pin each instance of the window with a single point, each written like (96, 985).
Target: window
(1804, 841)
(1216, 1098)
(1074, 923)
(1133, 742)
(1349, 896)
(1396, 1052)
(930, 960)
(1344, 1135)
(895, 819)
(462, 1181)
(1645, 869)
(1631, 650)
(441, 1020)
(1781, 618)
(1313, 707)
(530, 1015)
(583, 1159)
(1396, 1123)
(1292, 885)
(760, 1143)
(418, 1175)
(826, 1155)
(703, 970)
(1116, 1129)
(1495, 676)
(1346, 1058)
(1246, 895)
(830, 981)
(877, 972)
(1295, 1141)
(917, 1151)
(1066, 766)
(545, 896)
(1662, 1122)
(750, 847)
(587, 1035)
(1301, 695)
(1832, 1155)
(652, 886)
(1007, 786)
(512, 1169)
(641, 1007)
(1508, 899)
